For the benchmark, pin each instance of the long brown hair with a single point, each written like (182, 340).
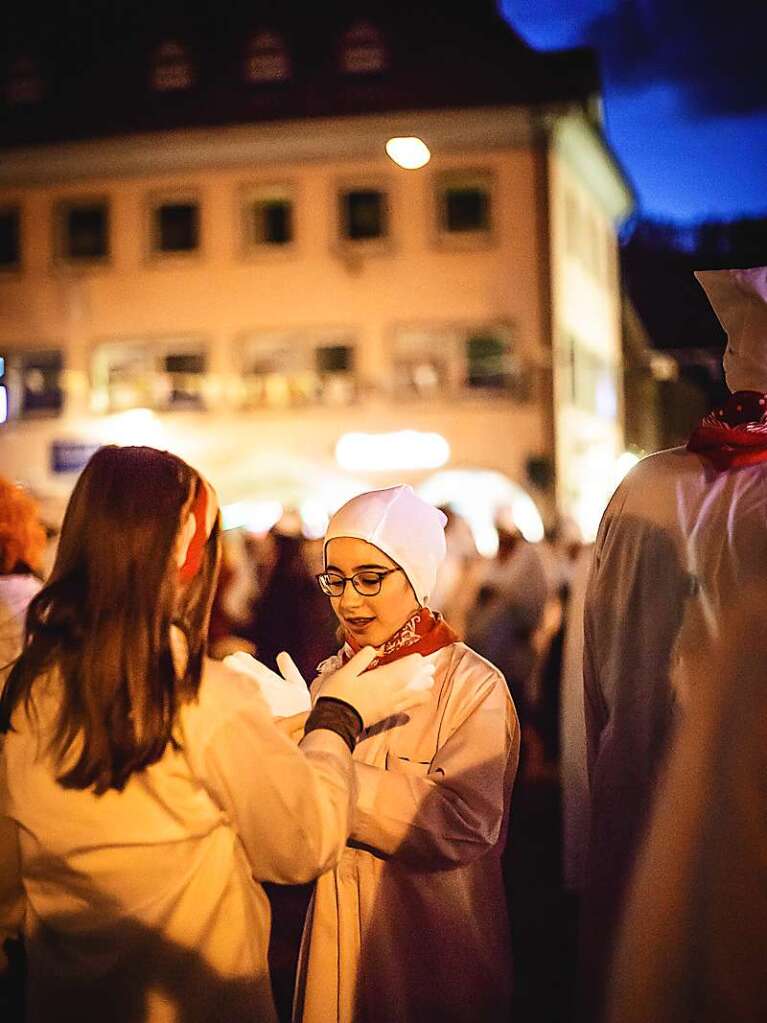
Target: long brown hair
(103, 621)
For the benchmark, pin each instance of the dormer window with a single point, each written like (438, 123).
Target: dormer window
(172, 69)
(24, 82)
(267, 58)
(363, 51)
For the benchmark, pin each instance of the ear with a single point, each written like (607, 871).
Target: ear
(185, 536)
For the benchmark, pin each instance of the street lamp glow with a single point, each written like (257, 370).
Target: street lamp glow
(408, 151)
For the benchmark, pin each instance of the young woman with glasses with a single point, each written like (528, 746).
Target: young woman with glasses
(410, 926)
(145, 791)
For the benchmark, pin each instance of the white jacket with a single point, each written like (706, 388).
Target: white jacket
(146, 903)
(675, 531)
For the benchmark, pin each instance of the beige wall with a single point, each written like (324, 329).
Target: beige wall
(220, 294)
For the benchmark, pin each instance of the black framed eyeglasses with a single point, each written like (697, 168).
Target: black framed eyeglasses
(367, 583)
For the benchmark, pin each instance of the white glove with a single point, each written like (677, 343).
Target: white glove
(381, 692)
(286, 694)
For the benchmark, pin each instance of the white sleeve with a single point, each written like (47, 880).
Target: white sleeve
(450, 811)
(290, 805)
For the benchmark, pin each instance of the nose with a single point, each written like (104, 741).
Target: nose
(350, 599)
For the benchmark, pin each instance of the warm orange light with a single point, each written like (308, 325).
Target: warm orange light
(408, 152)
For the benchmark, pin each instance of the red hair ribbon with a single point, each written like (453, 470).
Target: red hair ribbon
(199, 509)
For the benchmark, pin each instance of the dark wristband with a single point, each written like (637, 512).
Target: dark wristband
(337, 716)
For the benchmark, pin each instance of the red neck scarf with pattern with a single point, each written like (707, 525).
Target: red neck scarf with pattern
(734, 434)
(424, 632)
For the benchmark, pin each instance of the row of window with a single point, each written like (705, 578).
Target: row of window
(279, 369)
(267, 214)
(266, 57)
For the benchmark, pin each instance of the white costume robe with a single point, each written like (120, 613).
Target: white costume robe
(675, 530)
(145, 904)
(411, 926)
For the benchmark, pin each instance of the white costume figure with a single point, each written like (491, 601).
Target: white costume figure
(411, 925)
(683, 522)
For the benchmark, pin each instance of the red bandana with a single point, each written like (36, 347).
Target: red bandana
(423, 633)
(735, 434)
(199, 509)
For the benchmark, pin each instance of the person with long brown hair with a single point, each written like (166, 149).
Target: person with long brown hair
(145, 791)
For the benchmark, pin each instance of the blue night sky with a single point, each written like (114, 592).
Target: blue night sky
(685, 95)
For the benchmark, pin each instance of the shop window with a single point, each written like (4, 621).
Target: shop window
(268, 221)
(363, 50)
(421, 363)
(267, 58)
(175, 226)
(364, 214)
(172, 69)
(442, 361)
(82, 230)
(10, 238)
(465, 204)
(161, 375)
(24, 82)
(34, 383)
(289, 370)
(490, 361)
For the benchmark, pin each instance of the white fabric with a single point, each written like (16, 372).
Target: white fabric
(286, 694)
(16, 591)
(572, 760)
(411, 926)
(146, 903)
(674, 531)
(402, 525)
(739, 299)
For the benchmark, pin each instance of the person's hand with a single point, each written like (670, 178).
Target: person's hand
(381, 692)
(287, 694)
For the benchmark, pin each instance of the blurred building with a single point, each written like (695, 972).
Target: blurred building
(205, 246)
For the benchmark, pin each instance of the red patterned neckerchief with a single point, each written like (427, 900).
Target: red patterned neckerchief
(734, 434)
(424, 632)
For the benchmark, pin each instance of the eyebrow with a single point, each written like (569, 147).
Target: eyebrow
(358, 568)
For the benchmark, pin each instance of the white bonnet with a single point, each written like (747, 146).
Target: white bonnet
(739, 299)
(402, 525)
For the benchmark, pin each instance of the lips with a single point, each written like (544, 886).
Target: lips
(358, 623)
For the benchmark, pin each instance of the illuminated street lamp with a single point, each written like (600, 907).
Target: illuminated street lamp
(408, 151)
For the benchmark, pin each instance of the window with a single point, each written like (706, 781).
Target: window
(268, 218)
(156, 374)
(364, 214)
(34, 383)
(593, 380)
(422, 364)
(435, 362)
(287, 369)
(363, 51)
(24, 82)
(172, 69)
(267, 58)
(82, 229)
(175, 226)
(10, 240)
(465, 204)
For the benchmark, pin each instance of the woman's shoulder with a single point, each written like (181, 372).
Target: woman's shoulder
(459, 659)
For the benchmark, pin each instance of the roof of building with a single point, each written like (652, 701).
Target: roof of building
(91, 64)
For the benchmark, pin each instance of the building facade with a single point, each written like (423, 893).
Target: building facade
(240, 273)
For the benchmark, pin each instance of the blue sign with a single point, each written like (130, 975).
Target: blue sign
(71, 455)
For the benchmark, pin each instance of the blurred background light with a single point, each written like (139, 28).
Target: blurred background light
(485, 498)
(404, 449)
(409, 152)
(255, 516)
